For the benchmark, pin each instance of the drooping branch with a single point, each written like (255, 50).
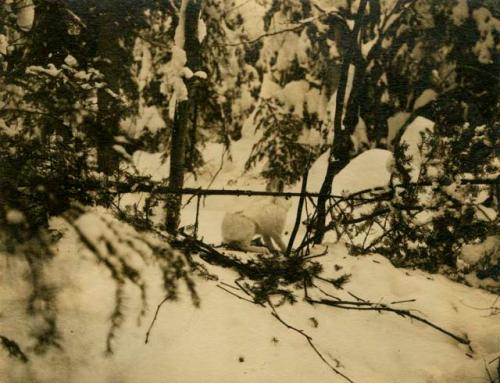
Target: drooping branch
(369, 306)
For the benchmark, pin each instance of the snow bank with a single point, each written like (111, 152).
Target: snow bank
(394, 124)
(367, 170)
(231, 340)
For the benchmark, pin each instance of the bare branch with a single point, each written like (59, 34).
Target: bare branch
(309, 339)
(150, 328)
(298, 26)
(234, 294)
(369, 306)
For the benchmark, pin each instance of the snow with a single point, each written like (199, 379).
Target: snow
(15, 217)
(367, 47)
(120, 149)
(460, 12)
(4, 44)
(269, 87)
(51, 70)
(71, 61)
(425, 97)
(143, 55)
(201, 74)
(292, 46)
(360, 137)
(367, 170)
(231, 340)
(317, 103)
(413, 138)
(173, 72)
(253, 22)
(202, 30)
(180, 30)
(311, 137)
(25, 14)
(294, 96)
(151, 164)
(151, 119)
(486, 213)
(487, 26)
(473, 253)
(121, 139)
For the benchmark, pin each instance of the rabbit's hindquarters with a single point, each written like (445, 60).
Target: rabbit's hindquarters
(270, 219)
(238, 230)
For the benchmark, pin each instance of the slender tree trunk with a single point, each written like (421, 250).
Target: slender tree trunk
(188, 21)
(341, 146)
(303, 191)
(177, 164)
(108, 115)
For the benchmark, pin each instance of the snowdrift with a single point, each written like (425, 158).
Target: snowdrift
(229, 339)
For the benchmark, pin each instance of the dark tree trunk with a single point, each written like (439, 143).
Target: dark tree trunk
(182, 117)
(340, 151)
(108, 115)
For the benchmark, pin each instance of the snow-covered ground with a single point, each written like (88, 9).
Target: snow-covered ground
(228, 339)
(231, 340)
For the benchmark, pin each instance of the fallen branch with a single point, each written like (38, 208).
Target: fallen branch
(211, 255)
(309, 339)
(369, 306)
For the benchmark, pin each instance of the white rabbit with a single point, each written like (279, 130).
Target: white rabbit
(265, 216)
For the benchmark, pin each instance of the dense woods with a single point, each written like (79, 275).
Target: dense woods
(87, 87)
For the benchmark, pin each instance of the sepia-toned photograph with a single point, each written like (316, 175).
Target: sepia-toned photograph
(244, 191)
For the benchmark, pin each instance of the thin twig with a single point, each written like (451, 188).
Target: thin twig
(405, 301)
(293, 28)
(322, 254)
(325, 293)
(228, 285)
(368, 306)
(155, 317)
(196, 222)
(212, 180)
(356, 297)
(309, 339)
(234, 294)
(242, 288)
